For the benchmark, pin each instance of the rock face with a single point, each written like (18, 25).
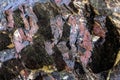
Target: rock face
(112, 42)
(4, 41)
(115, 72)
(45, 59)
(109, 8)
(35, 56)
(111, 48)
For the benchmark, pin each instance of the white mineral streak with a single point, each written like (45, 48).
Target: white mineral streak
(32, 75)
(95, 38)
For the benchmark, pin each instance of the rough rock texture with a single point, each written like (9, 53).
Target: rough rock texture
(35, 58)
(109, 52)
(4, 41)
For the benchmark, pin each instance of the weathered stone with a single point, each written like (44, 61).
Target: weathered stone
(4, 41)
(35, 56)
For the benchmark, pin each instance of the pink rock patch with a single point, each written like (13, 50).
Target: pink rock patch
(85, 57)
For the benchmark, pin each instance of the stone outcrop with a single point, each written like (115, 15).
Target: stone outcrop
(39, 61)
